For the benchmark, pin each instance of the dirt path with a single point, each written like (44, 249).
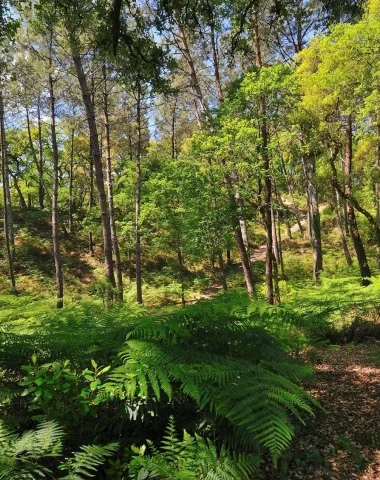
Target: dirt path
(343, 442)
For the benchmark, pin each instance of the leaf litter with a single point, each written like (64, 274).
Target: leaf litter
(343, 441)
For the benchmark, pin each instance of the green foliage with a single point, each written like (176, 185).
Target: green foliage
(84, 463)
(20, 455)
(189, 458)
(54, 387)
(222, 360)
(24, 456)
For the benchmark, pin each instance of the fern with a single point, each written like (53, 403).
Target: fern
(23, 456)
(190, 458)
(19, 455)
(84, 463)
(226, 363)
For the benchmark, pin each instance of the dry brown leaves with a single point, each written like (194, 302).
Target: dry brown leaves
(343, 442)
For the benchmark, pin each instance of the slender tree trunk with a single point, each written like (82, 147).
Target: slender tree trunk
(309, 221)
(107, 242)
(377, 188)
(180, 264)
(201, 112)
(300, 227)
(71, 172)
(281, 257)
(184, 47)
(242, 222)
(345, 218)
(228, 256)
(337, 209)
(37, 161)
(222, 272)
(276, 252)
(215, 60)
(365, 271)
(90, 203)
(139, 297)
(54, 208)
(308, 162)
(41, 188)
(23, 204)
(245, 263)
(115, 242)
(130, 266)
(277, 230)
(8, 216)
(290, 191)
(267, 215)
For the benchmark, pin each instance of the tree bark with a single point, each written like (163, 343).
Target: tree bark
(365, 271)
(23, 204)
(267, 214)
(90, 203)
(180, 264)
(228, 256)
(215, 60)
(245, 263)
(222, 272)
(377, 187)
(308, 162)
(340, 228)
(41, 188)
(201, 111)
(37, 161)
(139, 297)
(54, 208)
(115, 242)
(104, 215)
(8, 216)
(71, 174)
(184, 47)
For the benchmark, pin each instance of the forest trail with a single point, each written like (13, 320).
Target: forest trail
(343, 442)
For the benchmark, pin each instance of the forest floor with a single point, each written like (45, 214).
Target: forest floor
(343, 441)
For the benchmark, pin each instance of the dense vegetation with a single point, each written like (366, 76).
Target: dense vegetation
(191, 208)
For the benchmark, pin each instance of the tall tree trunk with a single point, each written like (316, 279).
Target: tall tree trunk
(37, 161)
(267, 214)
(139, 297)
(277, 229)
(90, 203)
(222, 271)
(180, 264)
(308, 162)
(54, 208)
(102, 199)
(201, 111)
(41, 188)
(290, 191)
(130, 266)
(365, 271)
(23, 204)
(338, 217)
(281, 259)
(8, 216)
(201, 106)
(276, 252)
(245, 263)
(377, 187)
(115, 242)
(215, 61)
(228, 256)
(71, 174)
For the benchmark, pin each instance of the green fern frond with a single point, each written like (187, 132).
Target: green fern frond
(191, 458)
(84, 463)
